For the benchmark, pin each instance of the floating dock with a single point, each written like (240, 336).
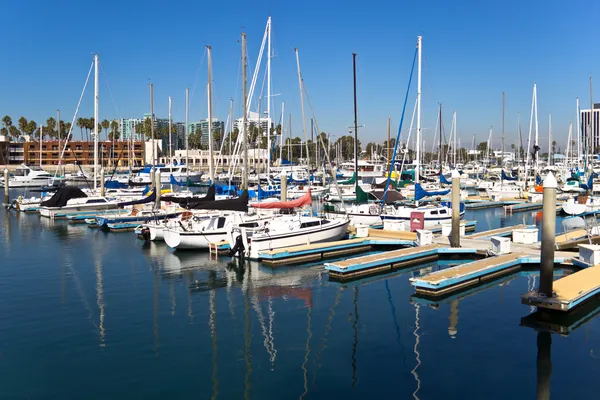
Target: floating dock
(462, 276)
(569, 292)
(469, 227)
(506, 231)
(393, 260)
(514, 208)
(450, 280)
(321, 251)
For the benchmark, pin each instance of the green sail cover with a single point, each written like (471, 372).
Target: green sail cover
(361, 195)
(349, 181)
(404, 183)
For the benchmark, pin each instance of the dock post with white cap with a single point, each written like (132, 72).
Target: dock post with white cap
(284, 186)
(157, 189)
(6, 185)
(102, 182)
(548, 235)
(455, 236)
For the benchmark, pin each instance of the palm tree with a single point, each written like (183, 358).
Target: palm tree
(14, 132)
(7, 121)
(81, 124)
(31, 128)
(51, 127)
(105, 125)
(114, 127)
(22, 125)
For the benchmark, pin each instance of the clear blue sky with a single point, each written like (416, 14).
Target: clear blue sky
(473, 51)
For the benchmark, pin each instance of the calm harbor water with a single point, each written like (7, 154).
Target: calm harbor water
(86, 314)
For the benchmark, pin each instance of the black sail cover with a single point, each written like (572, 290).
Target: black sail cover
(186, 202)
(147, 199)
(238, 204)
(62, 195)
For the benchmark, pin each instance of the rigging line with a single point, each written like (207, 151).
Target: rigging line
(261, 319)
(197, 75)
(387, 184)
(393, 309)
(355, 343)
(416, 351)
(110, 90)
(312, 110)
(307, 353)
(70, 133)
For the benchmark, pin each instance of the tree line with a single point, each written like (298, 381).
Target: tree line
(51, 129)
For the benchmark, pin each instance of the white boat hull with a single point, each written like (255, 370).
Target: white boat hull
(52, 212)
(263, 242)
(177, 239)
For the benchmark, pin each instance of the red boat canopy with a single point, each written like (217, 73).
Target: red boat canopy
(305, 200)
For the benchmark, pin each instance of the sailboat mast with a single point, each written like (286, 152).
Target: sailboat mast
(211, 171)
(58, 131)
(281, 133)
(549, 139)
(417, 164)
(170, 140)
(186, 131)
(455, 131)
(441, 153)
(388, 144)
(268, 97)
(42, 142)
(503, 99)
(592, 138)
(578, 119)
(290, 142)
(537, 138)
(96, 87)
(152, 124)
(245, 112)
(355, 123)
(231, 124)
(301, 85)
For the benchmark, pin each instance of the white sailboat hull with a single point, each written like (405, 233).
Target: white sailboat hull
(193, 240)
(335, 230)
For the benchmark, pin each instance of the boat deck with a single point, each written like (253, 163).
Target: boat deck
(569, 292)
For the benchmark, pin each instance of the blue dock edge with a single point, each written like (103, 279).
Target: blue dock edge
(445, 284)
(403, 258)
(283, 255)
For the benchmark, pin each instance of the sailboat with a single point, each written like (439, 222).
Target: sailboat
(433, 213)
(285, 230)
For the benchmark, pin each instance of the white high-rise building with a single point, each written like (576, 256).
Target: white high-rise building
(254, 120)
(591, 127)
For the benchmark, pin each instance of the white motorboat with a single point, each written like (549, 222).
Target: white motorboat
(359, 214)
(198, 234)
(154, 230)
(581, 205)
(295, 192)
(179, 172)
(365, 169)
(287, 231)
(433, 214)
(505, 190)
(70, 199)
(25, 177)
(348, 192)
(572, 186)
